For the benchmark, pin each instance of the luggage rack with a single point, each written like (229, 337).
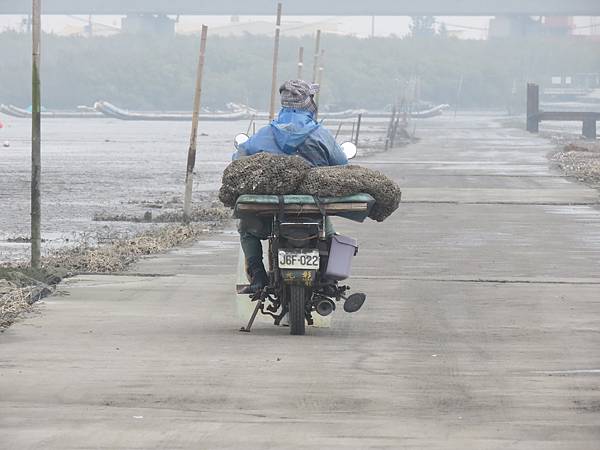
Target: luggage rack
(355, 207)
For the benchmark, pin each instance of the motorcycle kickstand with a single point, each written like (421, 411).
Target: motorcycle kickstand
(248, 327)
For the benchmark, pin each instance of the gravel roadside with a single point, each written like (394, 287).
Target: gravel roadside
(580, 160)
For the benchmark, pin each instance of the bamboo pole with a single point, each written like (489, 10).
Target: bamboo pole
(36, 135)
(319, 81)
(395, 130)
(191, 161)
(316, 57)
(300, 62)
(275, 58)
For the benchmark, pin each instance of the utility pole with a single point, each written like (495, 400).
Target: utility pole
(275, 58)
(191, 161)
(36, 134)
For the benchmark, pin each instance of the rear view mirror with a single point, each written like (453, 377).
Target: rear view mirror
(349, 149)
(240, 139)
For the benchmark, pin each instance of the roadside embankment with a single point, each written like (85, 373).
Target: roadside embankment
(580, 160)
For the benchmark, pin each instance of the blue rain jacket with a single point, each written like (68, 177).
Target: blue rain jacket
(295, 132)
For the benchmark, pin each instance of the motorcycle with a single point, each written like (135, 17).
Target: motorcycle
(305, 263)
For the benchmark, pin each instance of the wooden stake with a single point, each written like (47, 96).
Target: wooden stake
(458, 94)
(300, 62)
(357, 129)
(275, 58)
(338, 129)
(390, 127)
(36, 138)
(533, 108)
(191, 161)
(316, 60)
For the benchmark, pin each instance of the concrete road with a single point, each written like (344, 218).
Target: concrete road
(481, 331)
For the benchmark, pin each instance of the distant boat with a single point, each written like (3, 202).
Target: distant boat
(81, 113)
(110, 110)
(241, 112)
(245, 113)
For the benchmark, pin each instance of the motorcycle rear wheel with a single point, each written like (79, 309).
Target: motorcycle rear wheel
(298, 296)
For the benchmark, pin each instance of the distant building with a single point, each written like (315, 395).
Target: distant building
(578, 87)
(519, 26)
(558, 25)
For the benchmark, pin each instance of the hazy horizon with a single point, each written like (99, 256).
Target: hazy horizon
(466, 27)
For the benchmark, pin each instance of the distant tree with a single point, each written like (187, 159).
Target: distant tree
(160, 73)
(422, 26)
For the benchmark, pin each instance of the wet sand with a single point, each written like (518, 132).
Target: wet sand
(105, 167)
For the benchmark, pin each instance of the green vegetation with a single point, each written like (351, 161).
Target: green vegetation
(140, 72)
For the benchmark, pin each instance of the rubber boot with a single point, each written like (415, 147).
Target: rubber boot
(258, 275)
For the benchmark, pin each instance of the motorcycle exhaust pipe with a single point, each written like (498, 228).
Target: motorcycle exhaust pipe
(325, 307)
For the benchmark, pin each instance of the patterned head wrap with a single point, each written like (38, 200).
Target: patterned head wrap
(298, 94)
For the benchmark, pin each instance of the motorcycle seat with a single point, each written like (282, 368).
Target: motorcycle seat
(354, 207)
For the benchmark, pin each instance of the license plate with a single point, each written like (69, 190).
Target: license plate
(299, 259)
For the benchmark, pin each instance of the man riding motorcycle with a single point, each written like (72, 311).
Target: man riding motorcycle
(295, 132)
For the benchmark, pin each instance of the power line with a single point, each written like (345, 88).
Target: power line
(465, 27)
(94, 23)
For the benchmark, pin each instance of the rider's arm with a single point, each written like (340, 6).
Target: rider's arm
(336, 155)
(239, 153)
(261, 141)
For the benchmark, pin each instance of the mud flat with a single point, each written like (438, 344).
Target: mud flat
(103, 169)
